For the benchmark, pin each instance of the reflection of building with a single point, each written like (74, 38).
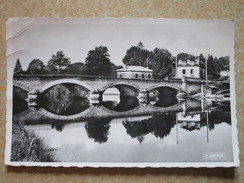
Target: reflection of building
(190, 68)
(135, 72)
(189, 122)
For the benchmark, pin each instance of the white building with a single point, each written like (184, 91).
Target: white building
(135, 72)
(190, 68)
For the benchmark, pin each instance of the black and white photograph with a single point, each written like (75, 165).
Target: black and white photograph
(118, 92)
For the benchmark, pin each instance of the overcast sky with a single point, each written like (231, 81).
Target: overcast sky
(29, 39)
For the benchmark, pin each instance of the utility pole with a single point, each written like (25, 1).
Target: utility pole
(207, 126)
(140, 46)
(206, 69)
(140, 56)
(176, 74)
(177, 132)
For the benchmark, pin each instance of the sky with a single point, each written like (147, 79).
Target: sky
(40, 38)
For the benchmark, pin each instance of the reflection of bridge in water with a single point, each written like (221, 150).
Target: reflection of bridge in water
(193, 117)
(43, 116)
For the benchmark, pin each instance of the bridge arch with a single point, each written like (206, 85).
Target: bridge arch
(125, 89)
(63, 81)
(63, 117)
(118, 112)
(174, 108)
(21, 85)
(168, 85)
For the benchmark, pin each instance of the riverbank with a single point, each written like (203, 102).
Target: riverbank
(29, 147)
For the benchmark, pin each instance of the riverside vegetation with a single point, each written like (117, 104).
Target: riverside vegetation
(29, 147)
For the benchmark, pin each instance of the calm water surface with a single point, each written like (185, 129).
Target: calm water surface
(159, 137)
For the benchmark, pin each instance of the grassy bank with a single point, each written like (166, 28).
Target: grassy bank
(29, 147)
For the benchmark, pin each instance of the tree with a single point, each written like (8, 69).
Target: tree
(76, 68)
(114, 69)
(218, 65)
(185, 56)
(136, 55)
(58, 62)
(212, 67)
(160, 61)
(36, 67)
(140, 45)
(201, 58)
(18, 68)
(98, 62)
(225, 61)
(222, 64)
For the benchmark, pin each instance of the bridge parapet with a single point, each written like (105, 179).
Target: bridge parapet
(21, 85)
(92, 84)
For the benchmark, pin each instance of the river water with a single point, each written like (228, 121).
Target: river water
(177, 136)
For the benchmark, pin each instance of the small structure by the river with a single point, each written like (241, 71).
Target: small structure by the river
(135, 72)
(190, 68)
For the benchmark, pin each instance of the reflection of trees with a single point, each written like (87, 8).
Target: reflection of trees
(158, 125)
(19, 100)
(162, 125)
(56, 99)
(78, 105)
(218, 118)
(98, 130)
(59, 99)
(58, 126)
(137, 129)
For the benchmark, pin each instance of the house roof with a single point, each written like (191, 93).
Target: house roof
(135, 68)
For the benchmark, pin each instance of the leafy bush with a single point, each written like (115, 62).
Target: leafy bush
(28, 147)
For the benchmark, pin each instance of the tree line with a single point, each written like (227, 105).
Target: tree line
(98, 63)
(162, 62)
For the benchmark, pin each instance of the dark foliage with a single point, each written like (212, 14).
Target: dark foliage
(58, 62)
(76, 69)
(136, 55)
(98, 130)
(158, 125)
(36, 67)
(28, 147)
(98, 62)
(18, 68)
(160, 61)
(57, 99)
(185, 56)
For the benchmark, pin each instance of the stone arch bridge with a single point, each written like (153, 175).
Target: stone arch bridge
(127, 87)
